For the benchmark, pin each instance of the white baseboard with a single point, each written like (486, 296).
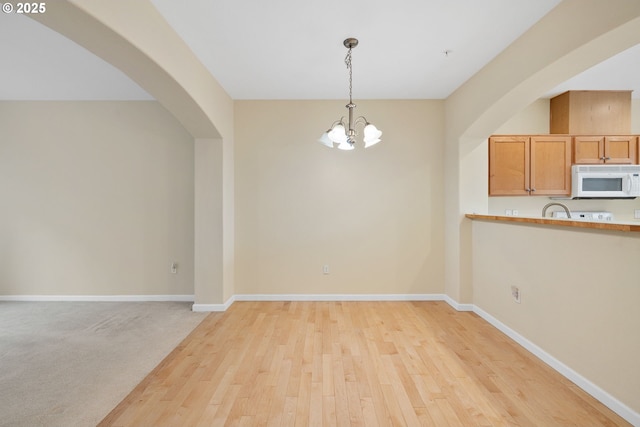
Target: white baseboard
(598, 393)
(339, 297)
(213, 307)
(316, 297)
(97, 298)
(455, 304)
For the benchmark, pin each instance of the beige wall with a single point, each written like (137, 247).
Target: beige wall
(635, 115)
(374, 216)
(140, 42)
(97, 199)
(579, 295)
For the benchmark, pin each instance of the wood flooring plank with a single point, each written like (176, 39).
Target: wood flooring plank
(279, 394)
(406, 395)
(303, 406)
(395, 417)
(370, 415)
(339, 385)
(425, 418)
(316, 358)
(596, 409)
(224, 408)
(437, 415)
(404, 382)
(316, 414)
(343, 363)
(206, 417)
(289, 412)
(194, 405)
(355, 404)
(449, 413)
(329, 411)
(328, 388)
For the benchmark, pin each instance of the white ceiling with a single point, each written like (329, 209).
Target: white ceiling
(292, 49)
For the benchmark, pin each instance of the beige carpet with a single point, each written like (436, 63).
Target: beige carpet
(69, 363)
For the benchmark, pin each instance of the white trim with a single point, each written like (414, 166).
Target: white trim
(97, 298)
(598, 393)
(213, 307)
(455, 304)
(202, 308)
(339, 297)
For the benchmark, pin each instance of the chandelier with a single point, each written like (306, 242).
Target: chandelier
(342, 133)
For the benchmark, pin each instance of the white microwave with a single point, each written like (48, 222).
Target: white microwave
(605, 181)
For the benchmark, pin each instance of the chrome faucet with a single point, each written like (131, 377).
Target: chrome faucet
(566, 209)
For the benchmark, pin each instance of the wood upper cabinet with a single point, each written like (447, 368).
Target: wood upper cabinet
(522, 165)
(591, 112)
(550, 165)
(605, 149)
(509, 165)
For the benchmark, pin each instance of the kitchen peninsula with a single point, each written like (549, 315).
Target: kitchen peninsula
(612, 226)
(578, 293)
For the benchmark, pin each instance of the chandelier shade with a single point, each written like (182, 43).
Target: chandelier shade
(371, 135)
(338, 134)
(341, 133)
(324, 139)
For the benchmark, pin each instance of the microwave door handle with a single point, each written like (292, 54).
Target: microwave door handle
(629, 184)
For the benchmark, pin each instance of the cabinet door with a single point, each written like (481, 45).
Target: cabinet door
(550, 165)
(620, 149)
(588, 149)
(509, 166)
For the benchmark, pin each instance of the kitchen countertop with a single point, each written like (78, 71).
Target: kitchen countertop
(613, 226)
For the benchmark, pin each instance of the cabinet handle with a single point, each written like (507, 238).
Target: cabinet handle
(607, 158)
(533, 189)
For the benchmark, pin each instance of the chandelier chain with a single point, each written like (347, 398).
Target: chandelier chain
(347, 61)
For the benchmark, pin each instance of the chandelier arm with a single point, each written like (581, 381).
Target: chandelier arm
(336, 123)
(361, 120)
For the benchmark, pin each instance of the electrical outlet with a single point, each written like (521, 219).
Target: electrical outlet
(325, 269)
(174, 267)
(508, 212)
(516, 294)
(515, 212)
(636, 214)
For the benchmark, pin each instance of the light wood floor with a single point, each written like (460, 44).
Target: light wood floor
(354, 364)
